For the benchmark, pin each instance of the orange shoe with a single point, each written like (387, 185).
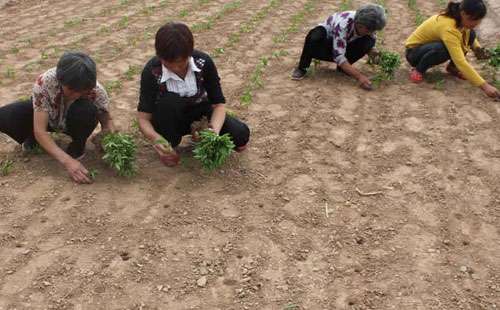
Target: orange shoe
(415, 76)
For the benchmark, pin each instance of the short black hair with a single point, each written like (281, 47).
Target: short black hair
(174, 41)
(77, 71)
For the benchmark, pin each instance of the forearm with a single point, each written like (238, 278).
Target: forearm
(47, 143)
(106, 121)
(351, 70)
(148, 131)
(218, 117)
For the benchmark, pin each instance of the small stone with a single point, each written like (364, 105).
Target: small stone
(202, 281)
(46, 283)
(159, 287)
(463, 269)
(203, 271)
(26, 252)
(141, 246)
(10, 272)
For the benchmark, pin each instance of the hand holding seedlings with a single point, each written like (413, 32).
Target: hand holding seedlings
(168, 156)
(120, 152)
(213, 150)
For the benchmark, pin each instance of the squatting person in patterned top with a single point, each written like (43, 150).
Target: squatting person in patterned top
(179, 86)
(66, 99)
(344, 38)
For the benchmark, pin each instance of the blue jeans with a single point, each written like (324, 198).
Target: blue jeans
(426, 56)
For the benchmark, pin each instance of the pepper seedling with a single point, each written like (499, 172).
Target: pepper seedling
(213, 150)
(119, 152)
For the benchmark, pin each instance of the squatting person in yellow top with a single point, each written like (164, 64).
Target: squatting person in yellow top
(449, 36)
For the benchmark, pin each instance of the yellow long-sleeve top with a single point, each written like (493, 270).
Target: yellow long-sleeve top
(443, 28)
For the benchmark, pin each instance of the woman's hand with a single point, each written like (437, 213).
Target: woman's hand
(168, 156)
(366, 84)
(77, 171)
(490, 91)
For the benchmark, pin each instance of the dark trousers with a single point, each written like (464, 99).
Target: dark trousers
(426, 56)
(319, 46)
(16, 120)
(174, 115)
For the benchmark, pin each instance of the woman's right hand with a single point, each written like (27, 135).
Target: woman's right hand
(168, 157)
(365, 83)
(77, 172)
(490, 91)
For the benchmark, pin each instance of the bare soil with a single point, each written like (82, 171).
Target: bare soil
(345, 199)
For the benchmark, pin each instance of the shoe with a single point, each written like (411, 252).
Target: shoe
(415, 76)
(77, 151)
(29, 145)
(451, 69)
(298, 74)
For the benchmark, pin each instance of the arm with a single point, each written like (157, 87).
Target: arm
(215, 95)
(76, 170)
(106, 122)
(452, 40)
(144, 120)
(339, 51)
(218, 117)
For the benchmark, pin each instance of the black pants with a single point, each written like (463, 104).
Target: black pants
(426, 56)
(174, 115)
(16, 120)
(319, 46)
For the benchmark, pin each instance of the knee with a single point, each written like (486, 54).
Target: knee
(316, 35)
(83, 109)
(240, 134)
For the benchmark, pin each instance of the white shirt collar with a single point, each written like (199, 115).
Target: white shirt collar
(167, 74)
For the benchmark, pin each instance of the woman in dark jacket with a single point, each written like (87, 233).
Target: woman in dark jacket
(179, 86)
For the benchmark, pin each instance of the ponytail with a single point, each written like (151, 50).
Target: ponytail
(476, 9)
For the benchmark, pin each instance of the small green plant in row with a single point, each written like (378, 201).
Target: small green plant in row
(6, 167)
(495, 57)
(226, 8)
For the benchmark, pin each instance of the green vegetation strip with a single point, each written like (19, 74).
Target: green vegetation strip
(255, 81)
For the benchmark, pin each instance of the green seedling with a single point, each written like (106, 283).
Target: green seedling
(6, 167)
(93, 174)
(184, 13)
(495, 57)
(119, 152)
(439, 85)
(231, 113)
(388, 65)
(132, 71)
(112, 86)
(213, 150)
(165, 143)
(10, 73)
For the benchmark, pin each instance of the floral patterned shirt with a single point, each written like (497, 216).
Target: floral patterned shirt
(340, 27)
(48, 97)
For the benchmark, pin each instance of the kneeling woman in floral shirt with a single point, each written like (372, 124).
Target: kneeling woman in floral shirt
(344, 38)
(66, 99)
(179, 86)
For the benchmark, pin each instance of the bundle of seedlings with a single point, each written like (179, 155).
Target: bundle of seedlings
(119, 152)
(213, 150)
(388, 64)
(495, 57)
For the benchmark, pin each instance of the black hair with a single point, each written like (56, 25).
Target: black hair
(174, 41)
(476, 9)
(77, 71)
